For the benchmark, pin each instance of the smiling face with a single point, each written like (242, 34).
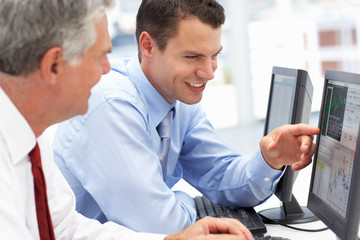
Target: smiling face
(182, 70)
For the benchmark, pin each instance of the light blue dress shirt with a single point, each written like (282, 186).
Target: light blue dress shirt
(109, 157)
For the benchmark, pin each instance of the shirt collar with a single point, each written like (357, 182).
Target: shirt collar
(158, 107)
(15, 130)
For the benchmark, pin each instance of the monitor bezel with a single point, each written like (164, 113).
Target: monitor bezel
(288, 72)
(345, 228)
(290, 211)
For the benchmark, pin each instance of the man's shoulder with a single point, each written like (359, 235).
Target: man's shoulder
(112, 87)
(115, 86)
(113, 82)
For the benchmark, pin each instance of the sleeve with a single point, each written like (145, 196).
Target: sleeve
(220, 173)
(119, 168)
(69, 224)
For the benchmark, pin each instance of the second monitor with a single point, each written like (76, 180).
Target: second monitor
(289, 102)
(335, 184)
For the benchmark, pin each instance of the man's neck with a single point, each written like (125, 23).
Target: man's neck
(22, 91)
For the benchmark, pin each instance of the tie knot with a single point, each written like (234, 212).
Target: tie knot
(35, 156)
(164, 128)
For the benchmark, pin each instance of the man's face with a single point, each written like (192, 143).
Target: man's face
(188, 62)
(79, 79)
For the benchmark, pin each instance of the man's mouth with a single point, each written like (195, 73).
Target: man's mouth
(195, 85)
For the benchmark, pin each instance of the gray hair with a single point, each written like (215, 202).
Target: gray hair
(28, 28)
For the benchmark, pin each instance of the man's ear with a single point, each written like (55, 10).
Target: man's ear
(50, 64)
(146, 44)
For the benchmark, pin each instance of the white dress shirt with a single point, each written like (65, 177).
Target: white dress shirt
(17, 203)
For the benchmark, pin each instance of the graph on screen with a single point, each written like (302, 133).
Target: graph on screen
(335, 108)
(337, 145)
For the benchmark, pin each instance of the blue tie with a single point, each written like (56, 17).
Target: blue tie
(164, 130)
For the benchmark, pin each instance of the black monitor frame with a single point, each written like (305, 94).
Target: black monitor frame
(345, 228)
(290, 212)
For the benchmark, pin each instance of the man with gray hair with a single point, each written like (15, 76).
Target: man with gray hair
(52, 52)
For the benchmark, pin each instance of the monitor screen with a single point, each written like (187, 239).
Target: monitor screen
(334, 187)
(289, 102)
(280, 111)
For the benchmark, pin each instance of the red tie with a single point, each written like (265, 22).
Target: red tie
(42, 208)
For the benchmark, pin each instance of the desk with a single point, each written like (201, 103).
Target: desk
(300, 191)
(280, 231)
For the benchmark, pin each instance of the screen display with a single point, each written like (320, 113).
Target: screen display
(337, 145)
(280, 110)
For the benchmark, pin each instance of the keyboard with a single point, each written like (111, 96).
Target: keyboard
(246, 216)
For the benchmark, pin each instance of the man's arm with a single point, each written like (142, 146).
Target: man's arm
(223, 175)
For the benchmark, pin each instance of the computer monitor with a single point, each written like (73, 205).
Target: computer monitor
(335, 182)
(289, 102)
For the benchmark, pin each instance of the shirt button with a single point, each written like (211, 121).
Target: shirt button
(267, 179)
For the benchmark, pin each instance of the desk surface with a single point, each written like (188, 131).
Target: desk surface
(300, 190)
(281, 231)
(278, 230)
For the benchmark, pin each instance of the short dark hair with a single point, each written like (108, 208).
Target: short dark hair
(160, 18)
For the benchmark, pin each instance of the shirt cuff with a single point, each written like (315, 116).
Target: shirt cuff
(261, 172)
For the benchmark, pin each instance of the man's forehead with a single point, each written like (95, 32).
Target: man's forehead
(197, 38)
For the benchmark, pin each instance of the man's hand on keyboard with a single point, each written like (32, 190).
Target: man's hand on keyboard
(210, 228)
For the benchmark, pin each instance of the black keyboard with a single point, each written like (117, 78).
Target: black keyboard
(246, 216)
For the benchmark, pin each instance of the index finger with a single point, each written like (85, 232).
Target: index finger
(303, 129)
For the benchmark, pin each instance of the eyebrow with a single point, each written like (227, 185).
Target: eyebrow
(200, 54)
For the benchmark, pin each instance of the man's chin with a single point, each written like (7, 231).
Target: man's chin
(191, 101)
(84, 109)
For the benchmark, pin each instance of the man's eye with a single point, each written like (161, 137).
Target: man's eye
(216, 55)
(191, 57)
